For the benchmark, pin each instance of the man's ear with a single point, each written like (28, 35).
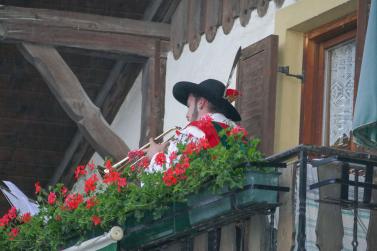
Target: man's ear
(202, 102)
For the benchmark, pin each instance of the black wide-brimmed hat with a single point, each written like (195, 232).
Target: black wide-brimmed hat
(210, 89)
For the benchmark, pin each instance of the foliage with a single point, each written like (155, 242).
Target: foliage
(130, 193)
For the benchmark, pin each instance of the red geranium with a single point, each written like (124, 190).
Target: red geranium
(64, 191)
(13, 233)
(160, 159)
(169, 178)
(135, 154)
(96, 220)
(37, 187)
(26, 217)
(12, 213)
(73, 200)
(4, 220)
(232, 94)
(80, 170)
(90, 184)
(91, 202)
(238, 130)
(51, 198)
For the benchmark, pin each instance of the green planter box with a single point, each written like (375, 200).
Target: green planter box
(174, 221)
(206, 205)
(255, 195)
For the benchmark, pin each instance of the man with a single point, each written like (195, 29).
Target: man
(206, 101)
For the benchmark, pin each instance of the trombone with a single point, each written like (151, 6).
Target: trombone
(120, 165)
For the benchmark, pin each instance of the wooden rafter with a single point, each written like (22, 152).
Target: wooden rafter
(68, 91)
(84, 22)
(83, 31)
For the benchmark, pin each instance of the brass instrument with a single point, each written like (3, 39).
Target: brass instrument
(119, 165)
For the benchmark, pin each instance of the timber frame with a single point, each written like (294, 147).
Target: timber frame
(135, 45)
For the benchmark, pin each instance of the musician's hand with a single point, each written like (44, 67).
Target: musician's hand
(155, 148)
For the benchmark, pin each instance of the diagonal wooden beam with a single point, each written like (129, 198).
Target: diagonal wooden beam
(85, 22)
(68, 91)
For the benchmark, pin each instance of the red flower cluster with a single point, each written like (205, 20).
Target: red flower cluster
(238, 130)
(13, 233)
(91, 202)
(135, 154)
(73, 201)
(37, 187)
(113, 177)
(232, 94)
(96, 220)
(51, 198)
(80, 170)
(26, 217)
(64, 191)
(160, 159)
(12, 214)
(176, 172)
(90, 184)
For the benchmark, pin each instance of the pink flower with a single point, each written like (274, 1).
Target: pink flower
(51, 198)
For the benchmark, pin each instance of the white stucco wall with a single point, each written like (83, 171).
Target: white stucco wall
(127, 121)
(213, 60)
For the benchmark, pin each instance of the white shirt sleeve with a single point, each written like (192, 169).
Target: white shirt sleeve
(188, 134)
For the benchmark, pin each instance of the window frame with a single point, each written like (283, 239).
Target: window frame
(312, 95)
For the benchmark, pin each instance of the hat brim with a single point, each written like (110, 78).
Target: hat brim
(182, 90)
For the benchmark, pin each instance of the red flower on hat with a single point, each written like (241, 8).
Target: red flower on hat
(232, 94)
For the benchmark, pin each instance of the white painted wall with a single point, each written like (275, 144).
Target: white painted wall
(213, 60)
(128, 119)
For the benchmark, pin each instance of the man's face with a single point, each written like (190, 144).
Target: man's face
(192, 111)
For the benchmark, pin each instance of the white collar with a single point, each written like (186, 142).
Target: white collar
(218, 117)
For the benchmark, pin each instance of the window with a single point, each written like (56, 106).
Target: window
(328, 94)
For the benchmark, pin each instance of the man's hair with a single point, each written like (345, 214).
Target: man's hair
(211, 107)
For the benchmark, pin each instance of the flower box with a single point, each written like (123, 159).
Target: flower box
(174, 221)
(207, 205)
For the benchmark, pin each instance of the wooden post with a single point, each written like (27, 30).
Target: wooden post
(153, 100)
(329, 228)
(286, 227)
(228, 240)
(68, 91)
(201, 242)
(256, 236)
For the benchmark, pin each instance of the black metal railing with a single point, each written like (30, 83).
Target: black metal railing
(306, 154)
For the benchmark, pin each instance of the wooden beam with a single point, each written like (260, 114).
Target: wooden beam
(82, 39)
(78, 138)
(68, 91)
(109, 99)
(102, 54)
(84, 22)
(109, 108)
(153, 103)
